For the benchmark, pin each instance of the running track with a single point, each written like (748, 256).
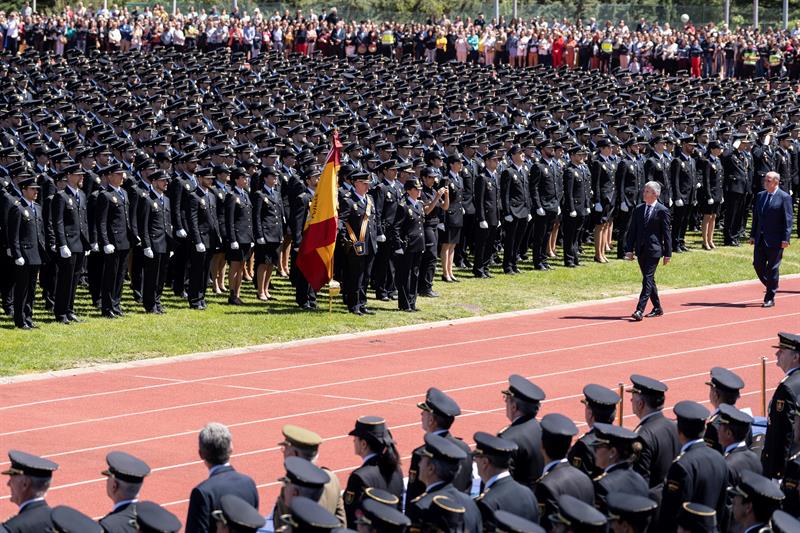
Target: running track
(155, 410)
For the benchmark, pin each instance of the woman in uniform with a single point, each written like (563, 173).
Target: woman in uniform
(269, 224)
(710, 195)
(239, 231)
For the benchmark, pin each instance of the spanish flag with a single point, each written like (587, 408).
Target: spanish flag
(315, 258)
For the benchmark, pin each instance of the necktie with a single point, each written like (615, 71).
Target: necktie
(77, 199)
(766, 203)
(647, 213)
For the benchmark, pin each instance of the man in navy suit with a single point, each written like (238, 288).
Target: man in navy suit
(215, 448)
(770, 232)
(649, 237)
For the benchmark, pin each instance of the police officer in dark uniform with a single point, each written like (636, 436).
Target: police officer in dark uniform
(125, 475)
(736, 187)
(302, 479)
(239, 231)
(615, 451)
(358, 230)
(629, 184)
(684, 180)
(305, 296)
(157, 235)
(516, 202)
(657, 434)
(576, 204)
(697, 518)
(600, 407)
(269, 227)
(725, 387)
(202, 227)
(237, 516)
(500, 491)
(114, 233)
(66, 520)
(790, 485)
(453, 214)
(26, 241)
(71, 229)
(437, 207)
(439, 463)
(656, 168)
(573, 515)
(410, 245)
(387, 195)
(783, 161)
(558, 476)
(547, 190)
(29, 481)
(472, 167)
(629, 512)
(438, 412)
(711, 195)
(487, 213)
(379, 517)
(777, 443)
(755, 498)
(699, 474)
(604, 170)
(523, 400)
(733, 428)
(179, 191)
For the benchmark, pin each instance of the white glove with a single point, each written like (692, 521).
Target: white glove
(381, 238)
(699, 185)
(498, 223)
(463, 211)
(234, 245)
(440, 226)
(670, 202)
(559, 210)
(710, 201)
(64, 252)
(148, 253)
(623, 207)
(483, 224)
(588, 210)
(540, 212)
(530, 217)
(722, 201)
(261, 240)
(200, 247)
(679, 202)
(8, 252)
(399, 251)
(598, 207)
(181, 233)
(19, 261)
(95, 247)
(53, 248)
(509, 218)
(573, 214)
(108, 249)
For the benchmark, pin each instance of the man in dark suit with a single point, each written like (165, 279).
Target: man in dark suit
(71, 229)
(770, 233)
(215, 451)
(156, 232)
(29, 481)
(113, 238)
(500, 491)
(649, 238)
(523, 400)
(125, 475)
(26, 241)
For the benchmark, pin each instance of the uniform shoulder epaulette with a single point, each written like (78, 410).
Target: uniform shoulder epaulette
(601, 476)
(480, 496)
(678, 458)
(418, 498)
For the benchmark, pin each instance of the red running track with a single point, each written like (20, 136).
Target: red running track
(155, 410)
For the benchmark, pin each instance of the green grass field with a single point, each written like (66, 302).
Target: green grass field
(182, 331)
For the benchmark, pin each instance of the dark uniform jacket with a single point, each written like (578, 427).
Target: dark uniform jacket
(528, 462)
(70, 221)
(547, 187)
(410, 224)
(657, 169)
(506, 494)
(26, 237)
(472, 168)
(136, 196)
(629, 181)
(713, 175)
(516, 193)
(155, 223)
(238, 217)
(581, 455)
(387, 196)
(368, 475)
(735, 164)
(783, 166)
(269, 220)
(739, 460)
(119, 520)
(659, 438)
(454, 216)
(778, 440)
(352, 212)
(220, 192)
(462, 481)
(113, 222)
(205, 497)
(201, 218)
(790, 484)
(298, 213)
(179, 191)
(683, 179)
(699, 475)
(34, 517)
(473, 522)
(620, 477)
(604, 173)
(561, 479)
(577, 190)
(487, 198)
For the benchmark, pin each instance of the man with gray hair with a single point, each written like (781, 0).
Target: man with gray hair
(29, 480)
(215, 449)
(649, 237)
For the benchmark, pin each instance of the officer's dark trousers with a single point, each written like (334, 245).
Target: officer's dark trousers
(467, 241)
(113, 276)
(648, 266)
(621, 222)
(94, 274)
(383, 274)
(747, 206)
(69, 270)
(680, 220)
(427, 269)
(734, 209)
(7, 282)
(137, 269)
(572, 234)
(304, 294)
(24, 291)
(200, 264)
(408, 279)
(155, 272)
(484, 242)
(512, 241)
(356, 279)
(542, 227)
(178, 267)
(767, 263)
(48, 273)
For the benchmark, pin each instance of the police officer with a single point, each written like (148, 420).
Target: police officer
(180, 188)
(26, 241)
(269, 226)
(604, 170)
(600, 407)
(629, 184)
(724, 388)
(437, 206)
(114, 233)
(684, 181)
(29, 479)
(732, 429)
(629, 512)
(699, 474)
(410, 245)
(522, 401)
(500, 491)
(237, 516)
(656, 168)
(387, 195)
(697, 518)
(453, 210)
(755, 498)
(157, 235)
(487, 213)
(125, 475)
(736, 187)
(305, 296)
(379, 517)
(615, 451)
(547, 190)
(710, 196)
(302, 479)
(202, 227)
(576, 203)
(573, 515)
(516, 205)
(777, 443)
(239, 231)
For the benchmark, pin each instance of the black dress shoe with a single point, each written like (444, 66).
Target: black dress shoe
(384, 298)
(24, 326)
(356, 311)
(487, 275)
(479, 274)
(446, 279)
(637, 316)
(768, 303)
(414, 309)
(516, 269)
(408, 310)
(540, 267)
(62, 320)
(235, 300)
(508, 271)
(570, 265)
(366, 311)
(429, 294)
(73, 318)
(393, 295)
(657, 311)
(109, 315)
(33, 325)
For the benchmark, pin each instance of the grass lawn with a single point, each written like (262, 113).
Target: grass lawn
(182, 331)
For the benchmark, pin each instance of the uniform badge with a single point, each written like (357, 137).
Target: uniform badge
(155, 206)
(779, 405)
(410, 211)
(69, 202)
(188, 186)
(222, 197)
(389, 195)
(605, 167)
(203, 203)
(673, 486)
(683, 165)
(266, 200)
(349, 496)
(26, 214)
(97, 179)
(412, 476)
(658, 166)
(113, 199)
(238, 201)
(576, 462)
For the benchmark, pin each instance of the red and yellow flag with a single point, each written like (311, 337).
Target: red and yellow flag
(315, 258)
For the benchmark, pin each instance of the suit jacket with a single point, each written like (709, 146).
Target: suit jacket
(71, 221)
(202, 222)
(562, 479)
(26, 237)
(238, 217)
(410, 225)
(454, 216)
(473, 522)
(462, 481)
(683, 179)
(155, 223)
(113, 220)
(651, 239)
(620, 477)
(35, 517)
(528, 463)
(487, 198)
(778, 440)
(368, 475)
(205, 497)
(772, 223)
(119, 520)
(516, 193)
(269, 220)
(657, 169)
(506, 494)
(736, 166)
(659, 438)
